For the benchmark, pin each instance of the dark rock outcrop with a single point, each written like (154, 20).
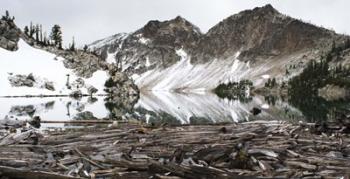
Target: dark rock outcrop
(122, 95)
(30, 81)
(87, 115)
(9, 35)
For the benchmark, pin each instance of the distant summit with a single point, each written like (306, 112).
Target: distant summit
(263, 40)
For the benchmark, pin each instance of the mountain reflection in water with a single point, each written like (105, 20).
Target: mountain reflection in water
(152, 107)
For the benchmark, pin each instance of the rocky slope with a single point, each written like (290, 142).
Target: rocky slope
(29, 68)
(255, 44)
(259, 34)
(153, 46)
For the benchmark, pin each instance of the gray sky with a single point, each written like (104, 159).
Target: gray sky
(90, 20)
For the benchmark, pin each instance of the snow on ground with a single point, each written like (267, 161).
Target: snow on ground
(265, 76)
(187, 77)
(148, 63)
(42, 64)
(107, 41)
(144, 40)
(111, 58)
(184, 76)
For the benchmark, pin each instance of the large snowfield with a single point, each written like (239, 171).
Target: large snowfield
(183, 76)
(43, 65)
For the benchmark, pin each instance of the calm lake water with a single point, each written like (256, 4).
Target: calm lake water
(154, 107)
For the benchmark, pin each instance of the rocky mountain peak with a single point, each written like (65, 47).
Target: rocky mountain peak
(155, 44)
(169, 30)
(267, 9)
(262, 32)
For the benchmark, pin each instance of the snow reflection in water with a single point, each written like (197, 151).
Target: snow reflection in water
(155, 107)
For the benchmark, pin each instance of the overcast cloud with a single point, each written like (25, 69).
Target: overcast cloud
(90, 20)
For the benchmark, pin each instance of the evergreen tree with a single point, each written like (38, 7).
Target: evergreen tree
(56, 36)
(45, 39)
(273, 82)
(287, 72)
(31, 30)
(7, 16)
(37, 33)
(26, 30)
(86, 48)
(72, 46)
(41, 33)
(347, 43)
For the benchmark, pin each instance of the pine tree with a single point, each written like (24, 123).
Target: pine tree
(26, 30)
(7, 16)
(56, 36)
(37, 33)
(45, 39)
(287, 72)
(41, 33)
(72, 47)
(86, 48)
(347, 43)
(31, 30)
(273, 82)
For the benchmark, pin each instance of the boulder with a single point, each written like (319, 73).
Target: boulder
(87, 115)
(23, 110)
(35, 122)
(49, 86)
(91, 89)
(255, 111)
(77, 94)
(119, 77)
(22, 80)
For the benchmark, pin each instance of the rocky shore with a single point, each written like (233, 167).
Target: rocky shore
(261, 149)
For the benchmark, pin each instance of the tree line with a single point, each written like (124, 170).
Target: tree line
(55, 37)
(303, 89)
(7, 17)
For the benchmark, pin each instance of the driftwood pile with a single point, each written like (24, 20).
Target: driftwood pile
(268, 149)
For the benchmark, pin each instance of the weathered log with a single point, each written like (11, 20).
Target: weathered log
(30, 174)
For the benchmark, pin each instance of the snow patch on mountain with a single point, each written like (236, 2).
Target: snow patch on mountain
(43, 65)
(110, 58)
(186, 77)
(108, 41)
(144, 40)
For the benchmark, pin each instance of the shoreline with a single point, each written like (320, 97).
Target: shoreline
(51, 96)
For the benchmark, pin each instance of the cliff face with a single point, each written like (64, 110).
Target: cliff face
(253, 44)
(152, 46)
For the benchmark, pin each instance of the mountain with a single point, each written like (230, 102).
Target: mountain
(254, 44)
(259, 33)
